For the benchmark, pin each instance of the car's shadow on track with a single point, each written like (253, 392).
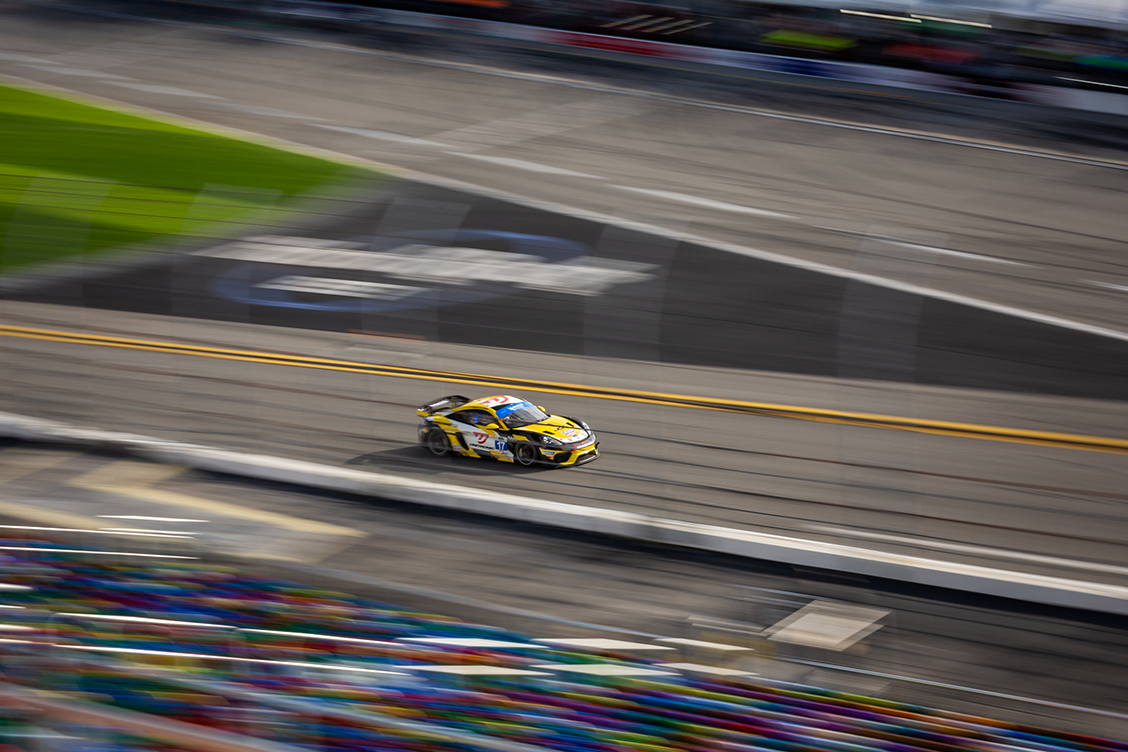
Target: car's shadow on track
(419, 459)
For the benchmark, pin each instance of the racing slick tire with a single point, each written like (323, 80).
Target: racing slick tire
(437, 443)
(526, 454)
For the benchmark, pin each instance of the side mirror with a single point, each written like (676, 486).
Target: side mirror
(491, 426)
(541, 408)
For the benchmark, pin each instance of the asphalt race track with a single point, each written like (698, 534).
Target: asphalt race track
(602, 291)
(1012, 505)
(1040, 234)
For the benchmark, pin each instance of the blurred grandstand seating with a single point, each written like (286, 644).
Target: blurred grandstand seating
(217, 648)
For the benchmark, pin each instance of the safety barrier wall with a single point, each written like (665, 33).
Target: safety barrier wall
(1078, 99)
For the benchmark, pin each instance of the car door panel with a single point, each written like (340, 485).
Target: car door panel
(478, 437)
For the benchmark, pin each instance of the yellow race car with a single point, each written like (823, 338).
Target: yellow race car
(506, 428)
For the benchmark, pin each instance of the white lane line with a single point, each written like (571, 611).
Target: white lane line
(979, 550)
(757, 253)
(1093, 83)
(57, 70)
(1109, 285)
(927, 248)
(381, 135)
(147, 517)
(916, 136)
(521, 164)
(706, 202)
(174, 91)
(268, 111)
(958, 254)
(23, 58)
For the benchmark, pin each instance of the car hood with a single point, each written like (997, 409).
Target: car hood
(558, 428)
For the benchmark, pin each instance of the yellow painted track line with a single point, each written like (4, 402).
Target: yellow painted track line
(795, 412)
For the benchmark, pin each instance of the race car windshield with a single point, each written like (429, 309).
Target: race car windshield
(520, 414)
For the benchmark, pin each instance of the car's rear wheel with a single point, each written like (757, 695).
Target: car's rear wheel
(525, 454)
(438, 443)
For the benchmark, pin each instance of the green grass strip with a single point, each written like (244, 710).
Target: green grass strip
(82, 179)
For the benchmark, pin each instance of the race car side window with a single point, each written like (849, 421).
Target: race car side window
(473, 417)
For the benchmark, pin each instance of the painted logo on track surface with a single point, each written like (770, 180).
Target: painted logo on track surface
(411, 270)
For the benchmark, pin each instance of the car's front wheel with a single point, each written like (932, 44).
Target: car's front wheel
(438, 443)
(525, 454)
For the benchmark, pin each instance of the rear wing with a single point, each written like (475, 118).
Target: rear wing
(444, 403)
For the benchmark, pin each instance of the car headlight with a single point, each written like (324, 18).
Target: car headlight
(549, 440)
